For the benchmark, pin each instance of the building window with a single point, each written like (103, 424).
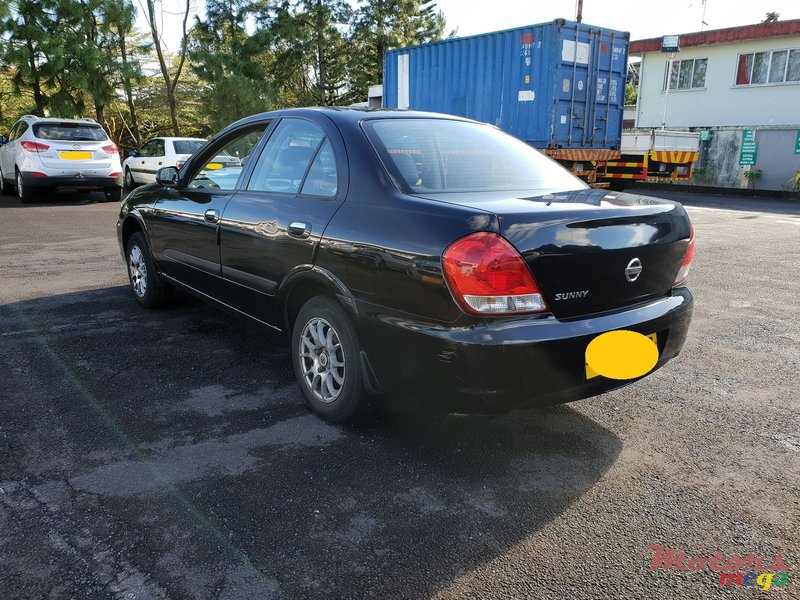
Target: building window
(686, 74)
(771, 66)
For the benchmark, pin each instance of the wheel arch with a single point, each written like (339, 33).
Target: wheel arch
(305, 282)
(131, 225)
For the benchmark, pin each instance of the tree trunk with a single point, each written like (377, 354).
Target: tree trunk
(173, 111)
(126, 84)
(169, 84)
(322, 74)
(38, 97)
(100, 113)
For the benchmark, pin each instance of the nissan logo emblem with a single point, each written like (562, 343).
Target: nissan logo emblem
(633, 270)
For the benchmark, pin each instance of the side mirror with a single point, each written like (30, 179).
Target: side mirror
(3, 140)
(167, 177)
(133, 153)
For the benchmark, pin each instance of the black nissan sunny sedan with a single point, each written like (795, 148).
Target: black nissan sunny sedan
(420, 254)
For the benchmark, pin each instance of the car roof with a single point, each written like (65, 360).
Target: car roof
(178, 139)
(351, 114)
(50, 120)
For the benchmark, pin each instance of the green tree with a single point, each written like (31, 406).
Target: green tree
(631, 94)
(311, 55)
(771, 17)
(28, 31)
(230, 63)
(129, 46)
(171, 76)
(382, 25)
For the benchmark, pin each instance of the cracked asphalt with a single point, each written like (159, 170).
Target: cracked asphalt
(168, 454)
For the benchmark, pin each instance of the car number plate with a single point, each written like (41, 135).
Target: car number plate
(591, 374)
(74, 155)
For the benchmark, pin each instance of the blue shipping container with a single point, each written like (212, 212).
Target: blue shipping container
(554, 85)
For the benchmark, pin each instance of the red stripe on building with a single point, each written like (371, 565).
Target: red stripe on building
(758, 31)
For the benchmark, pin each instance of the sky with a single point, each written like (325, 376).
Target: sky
(644, 19)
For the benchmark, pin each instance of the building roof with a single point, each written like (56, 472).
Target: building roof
(758, 31)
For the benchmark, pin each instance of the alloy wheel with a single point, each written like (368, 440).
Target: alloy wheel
(20, 189)
(322, 360)
(138, 270)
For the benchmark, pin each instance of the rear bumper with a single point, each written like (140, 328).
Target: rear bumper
(504, 364)
(71, 181)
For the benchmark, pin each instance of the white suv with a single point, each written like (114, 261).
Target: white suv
(141, 165)
(44, 153)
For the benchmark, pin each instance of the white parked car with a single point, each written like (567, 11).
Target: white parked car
(141, 165)
(57, 154)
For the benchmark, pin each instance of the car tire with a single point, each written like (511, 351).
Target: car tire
(130, 182)
(147, 287)
(24, 193)
(5, 187)
(326, 357)
(113, 194)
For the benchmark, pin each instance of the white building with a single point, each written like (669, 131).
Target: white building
(729, 82)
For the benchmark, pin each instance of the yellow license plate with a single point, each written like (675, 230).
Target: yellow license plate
(591, 374)
(73, 155)
(214, 166)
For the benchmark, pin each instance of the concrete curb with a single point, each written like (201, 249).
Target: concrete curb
(718, 191)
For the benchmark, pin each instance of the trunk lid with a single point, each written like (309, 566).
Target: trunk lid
(582, 246)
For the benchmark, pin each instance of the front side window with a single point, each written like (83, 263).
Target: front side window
(686, 74)
(158, 148)
(147, 149)
(223, 169)
(773, 66)
(69, 132)
(439, 155)
(283, 165)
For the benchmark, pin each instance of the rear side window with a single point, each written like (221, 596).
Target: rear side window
(439, 155)
(186, 146)
(287, 156)
(69, 132)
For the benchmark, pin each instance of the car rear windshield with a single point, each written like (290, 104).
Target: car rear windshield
(69, 132)
(440, 155)
(187, 146)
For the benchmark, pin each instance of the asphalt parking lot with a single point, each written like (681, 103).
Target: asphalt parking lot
(168, 454)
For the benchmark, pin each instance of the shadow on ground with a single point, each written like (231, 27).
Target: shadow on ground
(169, 454)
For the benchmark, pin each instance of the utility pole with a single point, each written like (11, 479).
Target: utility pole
(579, 17)
(703, 18)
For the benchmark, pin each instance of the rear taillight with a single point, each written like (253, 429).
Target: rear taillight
(110, 149)
(178, 164)
(487, 275)
(683, 272)
(34, 146)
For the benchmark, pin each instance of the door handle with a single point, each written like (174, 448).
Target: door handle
(212, 215)
(298, 229)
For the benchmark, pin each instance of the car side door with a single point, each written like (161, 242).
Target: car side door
(153, 161)
(138, 163)
(7, 150)
(272, 226)
(184, 221)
